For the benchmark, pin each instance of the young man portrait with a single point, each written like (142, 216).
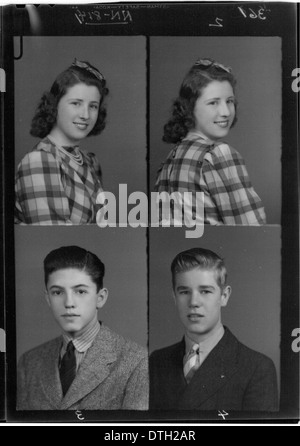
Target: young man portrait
(209, 369)
(88, 367)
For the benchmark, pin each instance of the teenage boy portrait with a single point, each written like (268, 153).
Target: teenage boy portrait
(88, 367)
(209, 369)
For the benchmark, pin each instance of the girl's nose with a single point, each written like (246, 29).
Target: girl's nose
(84, 112)
(224, 109)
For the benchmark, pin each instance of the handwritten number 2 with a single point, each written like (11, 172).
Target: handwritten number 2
(218, 23)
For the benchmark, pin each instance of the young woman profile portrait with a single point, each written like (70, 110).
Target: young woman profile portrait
(57, 183)
(201, 161)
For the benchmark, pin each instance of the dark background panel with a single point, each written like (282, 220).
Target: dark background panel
(256, 63)
(122, 250)
(252, 256)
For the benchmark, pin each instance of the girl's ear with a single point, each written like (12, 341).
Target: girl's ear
(225, 296)
(102, 297)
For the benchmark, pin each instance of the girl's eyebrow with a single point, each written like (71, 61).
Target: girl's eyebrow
(216, 99)
(81, 100)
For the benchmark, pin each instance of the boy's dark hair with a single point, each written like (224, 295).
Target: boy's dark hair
(46, 113)
(200, 75)
(199, 258)
(75, 257)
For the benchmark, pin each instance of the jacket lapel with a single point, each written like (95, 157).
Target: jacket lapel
(219, 366)
(50, 381)
(94, 368)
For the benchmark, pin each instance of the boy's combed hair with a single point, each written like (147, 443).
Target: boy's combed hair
(199, 76)
(46, 113)
(75, 257)
(199, 258)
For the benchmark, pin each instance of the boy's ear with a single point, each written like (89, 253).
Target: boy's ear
(102, 297)
(46, 295)
(225, 296)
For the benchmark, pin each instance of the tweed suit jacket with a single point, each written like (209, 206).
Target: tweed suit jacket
(232, 377)
(112, 376)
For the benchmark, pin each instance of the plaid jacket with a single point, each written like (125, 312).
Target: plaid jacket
(51, 189)
(220, 173)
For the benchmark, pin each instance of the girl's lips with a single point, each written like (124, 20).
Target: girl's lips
(222, 124)
(81, 126)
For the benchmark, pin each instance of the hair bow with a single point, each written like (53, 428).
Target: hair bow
(211, 63)
(88, 67)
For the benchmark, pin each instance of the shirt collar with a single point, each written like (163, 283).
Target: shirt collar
(207, 345)
(83, 342)
(196, 134)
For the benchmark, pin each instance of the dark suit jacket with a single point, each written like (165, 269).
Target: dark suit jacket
(232, 377)
(112, 376)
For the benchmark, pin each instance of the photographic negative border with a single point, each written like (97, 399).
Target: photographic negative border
(159, 19)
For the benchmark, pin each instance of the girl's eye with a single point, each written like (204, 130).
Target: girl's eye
(94, 106)
(213, 103)
(231, 101)
(75, 103)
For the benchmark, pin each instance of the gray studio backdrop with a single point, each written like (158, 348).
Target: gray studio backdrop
(253, 260)
(256, 62)
(123, 251)
(121, 147)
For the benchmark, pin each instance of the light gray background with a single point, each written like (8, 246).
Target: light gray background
(253, 260)
(122, 250)
(256, 63)
(121, 147)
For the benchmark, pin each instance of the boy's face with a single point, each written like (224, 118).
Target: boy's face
(74, 300)
(199, 300)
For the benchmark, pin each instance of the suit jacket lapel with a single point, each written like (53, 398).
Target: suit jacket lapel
(94, 368)
(214, 373)
(49, 373)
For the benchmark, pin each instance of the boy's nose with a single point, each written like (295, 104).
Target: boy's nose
(69, 301)
(195, 300)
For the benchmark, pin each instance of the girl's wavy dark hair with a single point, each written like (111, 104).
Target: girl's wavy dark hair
(199, 76)
(46, 113)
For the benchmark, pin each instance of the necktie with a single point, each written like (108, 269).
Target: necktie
(192, 363)
(67, 369)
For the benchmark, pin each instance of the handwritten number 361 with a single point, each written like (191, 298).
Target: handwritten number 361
(252, 14)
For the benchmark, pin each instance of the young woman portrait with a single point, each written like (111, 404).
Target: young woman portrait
(58, 182)
(215, 125)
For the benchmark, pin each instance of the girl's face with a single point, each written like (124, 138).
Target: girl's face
(214, 110)
(77, 113)
(74, 300)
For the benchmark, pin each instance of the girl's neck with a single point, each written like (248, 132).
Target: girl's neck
(58, 139)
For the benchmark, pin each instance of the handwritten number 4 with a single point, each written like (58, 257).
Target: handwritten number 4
(222, 414)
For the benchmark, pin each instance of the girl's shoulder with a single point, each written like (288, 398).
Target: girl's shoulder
(43, 152)
(223, 151)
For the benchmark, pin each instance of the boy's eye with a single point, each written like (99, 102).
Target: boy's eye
(56, 293)
(231, 101)
(81, 292)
